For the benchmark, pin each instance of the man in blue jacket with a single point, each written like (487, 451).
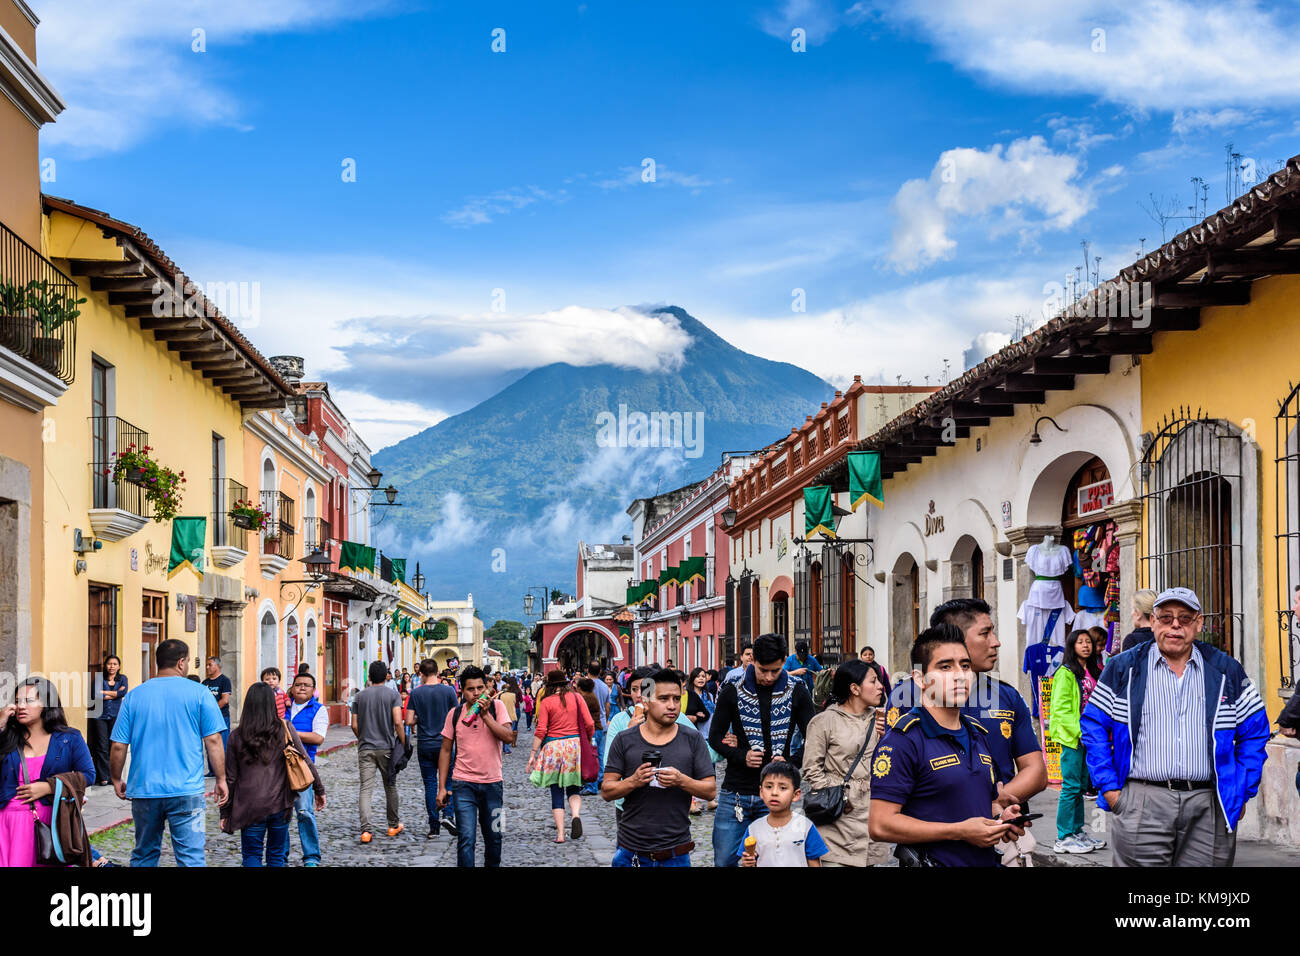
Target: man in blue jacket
(1175, 734)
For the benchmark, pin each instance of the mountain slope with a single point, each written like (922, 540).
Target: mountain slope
(525, 473)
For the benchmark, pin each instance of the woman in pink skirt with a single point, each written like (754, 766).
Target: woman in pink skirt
(556, 760)
(36, 743)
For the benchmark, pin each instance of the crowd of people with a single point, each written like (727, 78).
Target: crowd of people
(821, 765)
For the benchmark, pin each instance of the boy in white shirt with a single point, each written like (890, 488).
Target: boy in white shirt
(782, 838)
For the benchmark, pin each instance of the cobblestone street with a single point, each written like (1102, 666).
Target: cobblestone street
(529, 826)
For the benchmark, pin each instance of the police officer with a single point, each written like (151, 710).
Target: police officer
(933, 788)
(1017, 758)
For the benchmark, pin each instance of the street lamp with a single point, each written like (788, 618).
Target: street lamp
(528, 604)
(417, 580)
(373, 477)
(729, 518)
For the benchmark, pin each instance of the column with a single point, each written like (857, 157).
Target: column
(230, 641)
(1022, 538)
(1127, 516)
(198, 640)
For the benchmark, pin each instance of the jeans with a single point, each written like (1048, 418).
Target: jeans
(183, 816)
(1074, 777)
(273, 832)
(308, 836)
(370, 763)
(100, 730)
(592, 789)
(429, 772)
(477, 804)
(728, 832)
(624, 857)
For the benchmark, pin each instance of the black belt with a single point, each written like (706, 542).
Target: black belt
(1182, 785)
(660, 856)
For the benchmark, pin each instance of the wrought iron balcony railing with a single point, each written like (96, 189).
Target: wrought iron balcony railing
(110, 435)
(37, 306)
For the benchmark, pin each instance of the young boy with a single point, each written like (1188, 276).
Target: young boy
(781, 838)
(271, 675)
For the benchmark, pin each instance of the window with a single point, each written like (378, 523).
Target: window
(153, 631)
(1287, 509)
(977, 573)
(1192, 498)
(219, 505)
(101, 430)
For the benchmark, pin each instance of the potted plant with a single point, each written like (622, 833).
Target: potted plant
(162, 486)
(15, 316)
(248, 516)
(52, 309)
(272, 542)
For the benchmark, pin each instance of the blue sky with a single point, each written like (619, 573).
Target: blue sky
(775, 170)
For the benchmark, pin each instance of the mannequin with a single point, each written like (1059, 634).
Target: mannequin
(1045, 612)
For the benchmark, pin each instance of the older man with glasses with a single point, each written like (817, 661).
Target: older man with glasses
(1175, 734)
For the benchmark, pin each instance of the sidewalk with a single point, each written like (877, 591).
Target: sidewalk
(103, 810)
(1249, 852)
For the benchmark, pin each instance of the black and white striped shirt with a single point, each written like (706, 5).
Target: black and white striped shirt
(1171, 742)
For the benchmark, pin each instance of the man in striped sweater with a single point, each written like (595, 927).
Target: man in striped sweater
(1175, 734)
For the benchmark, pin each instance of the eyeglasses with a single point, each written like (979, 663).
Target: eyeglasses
(1183, 619)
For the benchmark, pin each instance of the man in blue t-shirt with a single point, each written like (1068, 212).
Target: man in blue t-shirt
(1017, 757)
(426, 710)
(167, 723)
(803, 665)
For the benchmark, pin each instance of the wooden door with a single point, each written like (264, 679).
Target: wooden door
(102, 626)
(153, 631)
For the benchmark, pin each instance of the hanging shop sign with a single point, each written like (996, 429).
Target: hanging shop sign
(1096, 497)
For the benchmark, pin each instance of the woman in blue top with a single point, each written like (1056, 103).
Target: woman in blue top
(112, 688)
(36, 743)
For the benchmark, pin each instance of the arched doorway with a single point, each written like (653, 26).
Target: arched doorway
(815, 608)
(580, 647)
(1091, 474)
(290, 648)
(848, 608)
(966, 570)
(309, 650)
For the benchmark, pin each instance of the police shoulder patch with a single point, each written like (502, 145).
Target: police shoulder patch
(882, 765)
(891, 718)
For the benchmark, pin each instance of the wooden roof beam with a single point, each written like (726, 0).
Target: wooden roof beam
(1114, 345)
(968, 410)
(1072, 365)
(105, 267)
(1195, 297)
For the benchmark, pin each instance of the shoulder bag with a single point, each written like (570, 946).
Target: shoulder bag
(590, 763)
(295, 762)
(47, 849)
(827, 804)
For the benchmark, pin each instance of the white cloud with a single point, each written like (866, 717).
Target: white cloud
(128, 68)
(1152, 54)
(816, 18)
(456, 528)
(1191, 121)
(1025, 177)
(384, 422)
(478, 210)
(631, 176)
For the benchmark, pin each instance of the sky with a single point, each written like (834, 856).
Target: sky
(427, 200)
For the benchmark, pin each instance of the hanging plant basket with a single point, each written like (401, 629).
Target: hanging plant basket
(243, 521)
(134, 475)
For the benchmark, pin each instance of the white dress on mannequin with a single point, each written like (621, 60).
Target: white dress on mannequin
(1048, 561)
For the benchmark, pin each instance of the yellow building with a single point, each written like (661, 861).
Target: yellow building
(158, 366)
(463, 641)
(1220, 466)
(36, 362)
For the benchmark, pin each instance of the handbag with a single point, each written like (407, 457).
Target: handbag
(590, 762)
(47, 853)
(827, 804)
(295, 762)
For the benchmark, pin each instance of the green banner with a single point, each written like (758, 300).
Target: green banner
(406, 625)
(188, 535)
(668, 576)
(356, 557)
(633, 595)
(693, 569)
(397, 620)
(865, 483)
(399, 569)
(818, 502)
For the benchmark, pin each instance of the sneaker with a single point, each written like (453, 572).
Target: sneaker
(311, 863)
(449, 825)
(393, 831)
(1096, 843)
(365, 836)
(1071, 845)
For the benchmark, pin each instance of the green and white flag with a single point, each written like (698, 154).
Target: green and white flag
(865, 483)
(818, 502)
(188, 535)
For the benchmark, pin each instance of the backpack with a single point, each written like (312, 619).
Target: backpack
(821, 690)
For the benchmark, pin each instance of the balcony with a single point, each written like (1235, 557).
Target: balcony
(278, 535)
(118, 509)
(37, 308)
(229, 541)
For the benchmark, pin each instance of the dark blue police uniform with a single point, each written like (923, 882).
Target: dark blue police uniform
(996, 705)
(940, 776)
